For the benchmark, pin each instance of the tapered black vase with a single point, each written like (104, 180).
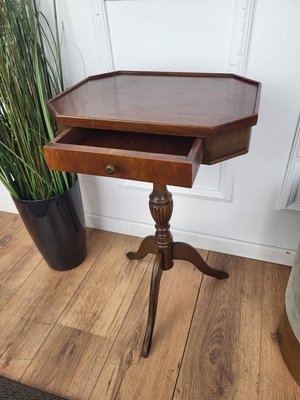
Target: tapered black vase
(57, 227)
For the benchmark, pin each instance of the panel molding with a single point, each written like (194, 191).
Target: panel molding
(241, 34)
(104, 48)
(289, 198)
(238, 55)
(240, 42)
(222, 192)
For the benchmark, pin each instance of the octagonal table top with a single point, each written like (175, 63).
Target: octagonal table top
(186, 104)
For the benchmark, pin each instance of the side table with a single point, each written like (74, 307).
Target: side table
(155, 127)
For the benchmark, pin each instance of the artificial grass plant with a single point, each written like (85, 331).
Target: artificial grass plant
(30, 74)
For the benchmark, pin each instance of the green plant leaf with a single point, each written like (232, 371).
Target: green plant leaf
(31, 73)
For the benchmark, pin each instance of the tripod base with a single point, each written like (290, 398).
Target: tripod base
(165, 250)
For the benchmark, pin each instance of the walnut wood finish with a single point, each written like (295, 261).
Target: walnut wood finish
(147, 246)
(153, 299)
(161, 207)
(163, 159)
(220, 108)
(156, 127)
(183, 251)
(185, 104)
(226, 146)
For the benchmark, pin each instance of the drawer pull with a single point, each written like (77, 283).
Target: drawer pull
(110, 169)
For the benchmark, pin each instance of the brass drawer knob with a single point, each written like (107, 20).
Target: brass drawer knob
(110, 169)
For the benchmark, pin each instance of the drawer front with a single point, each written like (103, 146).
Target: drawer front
(70, 152)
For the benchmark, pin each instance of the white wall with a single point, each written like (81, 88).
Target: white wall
(239, 206)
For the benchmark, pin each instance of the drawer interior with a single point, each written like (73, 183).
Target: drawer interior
(141, 142)
(163, 159)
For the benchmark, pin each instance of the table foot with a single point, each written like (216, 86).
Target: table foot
(183, 251)
(153, 298)
(146, 247)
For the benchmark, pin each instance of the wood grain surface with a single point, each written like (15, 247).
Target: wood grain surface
(187, 104)
(45, 295)
(74, 360)
(221, 342)
(103, 298)
(170, 160)
(178, 293)
(79, 333)
(9, 223)
(30, 314)
(15, 266)
(20, 339)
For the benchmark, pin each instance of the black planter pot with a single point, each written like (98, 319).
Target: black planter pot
(57, 227)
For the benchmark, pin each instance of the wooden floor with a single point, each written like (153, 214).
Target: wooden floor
(79, 333)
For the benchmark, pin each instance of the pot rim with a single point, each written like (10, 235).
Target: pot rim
(16, 199)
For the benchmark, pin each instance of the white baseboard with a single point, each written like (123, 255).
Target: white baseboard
(7, 205)
(214, 243)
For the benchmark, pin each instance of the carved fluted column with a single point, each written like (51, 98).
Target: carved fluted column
(161, 208)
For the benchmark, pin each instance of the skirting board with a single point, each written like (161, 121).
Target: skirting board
(214, 243)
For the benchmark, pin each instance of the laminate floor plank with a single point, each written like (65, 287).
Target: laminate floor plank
(102, 300)
(18, 259)
(20, 339)
(29, 316)
(45, 295)
(221, 360)
(68, 363)
(275, 382)
(10, 223)
(79, 333)
(126, 375)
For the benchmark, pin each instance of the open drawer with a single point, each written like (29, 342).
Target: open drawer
(165, 159)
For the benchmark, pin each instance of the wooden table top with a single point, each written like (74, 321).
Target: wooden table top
(185, 104)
